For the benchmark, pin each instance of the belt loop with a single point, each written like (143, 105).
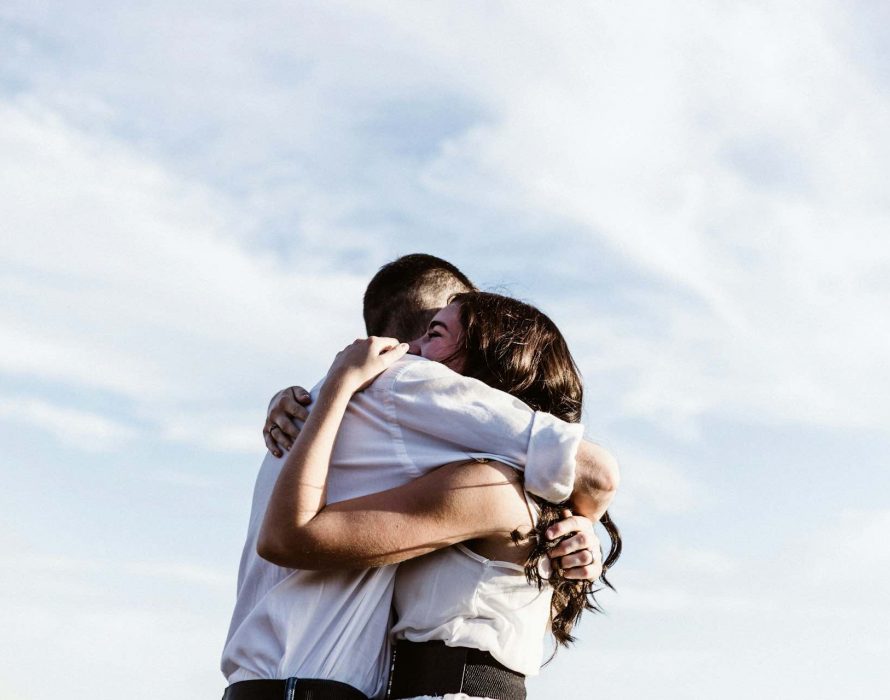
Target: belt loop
(290, 688)
(463, 670)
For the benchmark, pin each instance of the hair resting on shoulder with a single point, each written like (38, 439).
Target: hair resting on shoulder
(514, 347)
(405, 293)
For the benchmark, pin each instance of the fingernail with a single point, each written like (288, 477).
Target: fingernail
(545, 568)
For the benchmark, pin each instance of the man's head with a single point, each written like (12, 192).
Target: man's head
(405, 294)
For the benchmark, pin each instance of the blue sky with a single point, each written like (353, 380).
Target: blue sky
(195, 196)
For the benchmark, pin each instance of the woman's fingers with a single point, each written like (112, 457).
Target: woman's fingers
(391, 351)
(271, 445)
(280, 430)
(383, 353)
(300, 395)
(359, 363)
(286, 411)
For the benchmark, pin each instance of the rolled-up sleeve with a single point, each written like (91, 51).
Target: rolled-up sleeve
(437, 409)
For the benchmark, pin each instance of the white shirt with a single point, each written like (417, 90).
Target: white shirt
(463, 599)
(418, 415)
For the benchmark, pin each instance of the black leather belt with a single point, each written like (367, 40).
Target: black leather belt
(432, 668)
(292, 689)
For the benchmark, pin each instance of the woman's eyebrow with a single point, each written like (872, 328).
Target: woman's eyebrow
(435, 323)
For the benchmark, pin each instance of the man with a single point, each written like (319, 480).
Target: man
(330, 629)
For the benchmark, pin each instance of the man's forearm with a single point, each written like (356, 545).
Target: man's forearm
(596, 480)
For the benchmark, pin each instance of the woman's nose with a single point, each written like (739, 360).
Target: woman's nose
(414, 346)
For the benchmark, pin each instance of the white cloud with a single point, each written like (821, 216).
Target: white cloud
(651, 486)
(786, 322)
(82, 429)
(134, 281)
(703, 145)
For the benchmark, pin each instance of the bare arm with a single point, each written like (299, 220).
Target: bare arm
(596, 480)
(454, 503)
(300, 491)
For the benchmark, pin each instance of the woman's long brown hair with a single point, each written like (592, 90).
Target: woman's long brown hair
(514, 347)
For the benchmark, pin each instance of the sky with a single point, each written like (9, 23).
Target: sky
(195, 195)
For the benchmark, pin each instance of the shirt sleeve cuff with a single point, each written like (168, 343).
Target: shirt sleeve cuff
(550, 465)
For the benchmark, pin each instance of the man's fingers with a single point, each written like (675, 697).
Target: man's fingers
(572, 544)
(564, 527)
(591, 572)
(582, 558)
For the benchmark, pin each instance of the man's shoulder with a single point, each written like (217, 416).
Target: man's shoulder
(416, 368)
(413, 376)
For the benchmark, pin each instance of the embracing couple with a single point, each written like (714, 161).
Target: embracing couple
(414, 538)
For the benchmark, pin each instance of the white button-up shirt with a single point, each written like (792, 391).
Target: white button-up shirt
(418, 415)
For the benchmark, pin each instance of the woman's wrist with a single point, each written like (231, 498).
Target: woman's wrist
(338, 385)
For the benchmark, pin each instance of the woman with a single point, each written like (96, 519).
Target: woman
(485, 620)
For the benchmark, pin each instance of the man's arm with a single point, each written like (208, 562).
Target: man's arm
(596, 480)
(430, 402)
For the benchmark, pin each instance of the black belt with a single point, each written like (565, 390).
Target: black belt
(292, 689)
(432, 668)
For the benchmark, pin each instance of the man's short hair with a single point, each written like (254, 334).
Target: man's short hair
(402, 296)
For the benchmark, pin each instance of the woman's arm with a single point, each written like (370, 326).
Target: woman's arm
(454, 503)
(301, 489)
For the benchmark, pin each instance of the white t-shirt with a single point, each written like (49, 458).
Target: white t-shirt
(418, 415)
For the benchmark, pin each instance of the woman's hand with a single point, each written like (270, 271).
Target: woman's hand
(360, 363)
(286, 408)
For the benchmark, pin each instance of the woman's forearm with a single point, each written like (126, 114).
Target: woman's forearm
(457, 502)
(300, 492)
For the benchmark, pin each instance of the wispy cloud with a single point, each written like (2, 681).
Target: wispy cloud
(695, 192)
(89, 431)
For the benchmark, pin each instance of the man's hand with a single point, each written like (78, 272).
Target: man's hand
(286, 407)
(579, 556)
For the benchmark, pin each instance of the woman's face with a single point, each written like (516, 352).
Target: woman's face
(442, 338)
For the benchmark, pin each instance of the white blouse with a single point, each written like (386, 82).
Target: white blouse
(463, 599)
